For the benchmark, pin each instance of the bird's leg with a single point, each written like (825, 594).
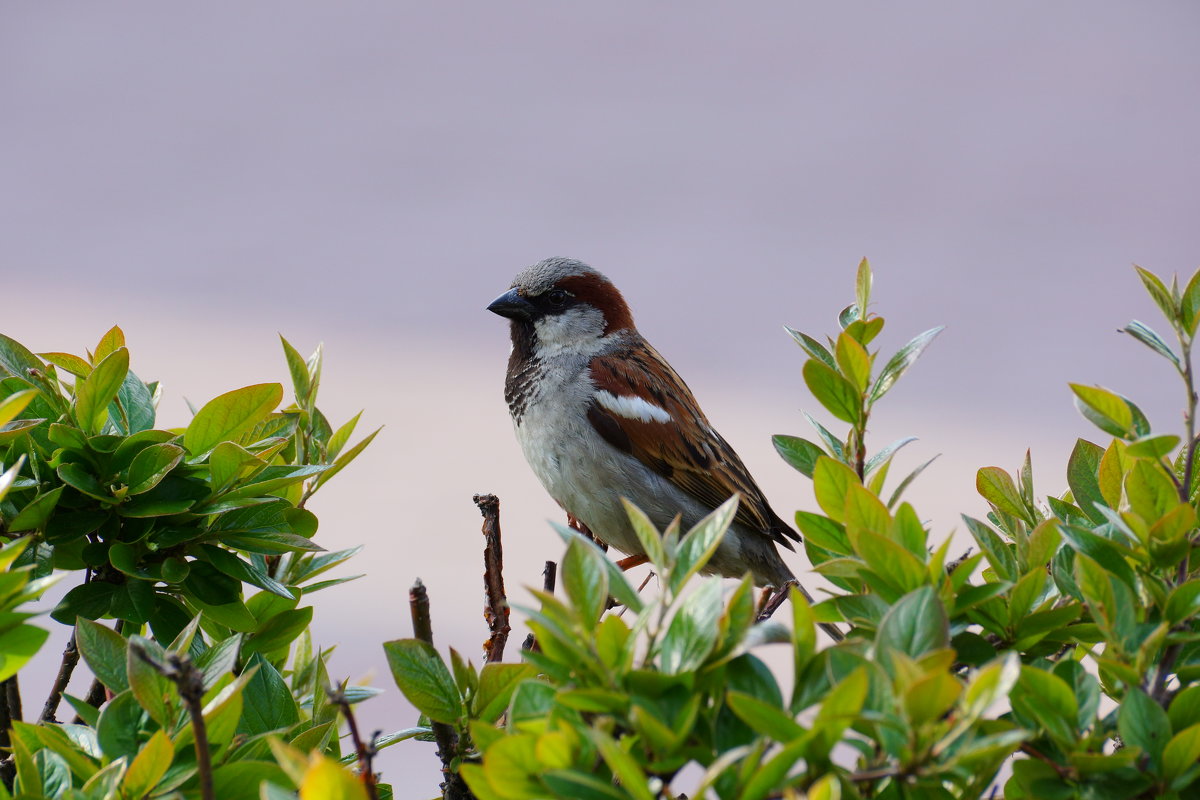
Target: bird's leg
(577, 525)
(626, 564)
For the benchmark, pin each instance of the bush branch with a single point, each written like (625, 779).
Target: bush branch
(453, 786)
(366, 752)
(66, 668)
(549, 576)
(495, 610)
(189, 681)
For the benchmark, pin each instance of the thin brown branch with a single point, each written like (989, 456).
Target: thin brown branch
(773, 601)
(366, 752)
(495, 610)
(453, 786)
(6, 719)
(12, 689)
(66, 668)
(189, 682)
(549, 577)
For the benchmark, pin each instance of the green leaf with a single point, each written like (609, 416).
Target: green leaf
(1143, 723)
(862, 287)
(268, 705)
(585, 580)
(14, 404)
(831, 484)
(154, 692)
(279, 632)
(914, 625)
(16, 360)
(228, 416)
(1047, 701)
(692, 632)
(812, 347)
(1151, 493)
(853, 361)
(1083, 476)
(624, 767)
(999, 554)
(271, 479)
(72, 364)
(701, 542)
(90, 600)
(497, 682)
(1190, 304)
(886, 453)
(424, 679)
(97, 390)
(799, 453)
(1181, 753)
(1183, 602)
(838, 395)
(997, 487)
(1101, 550)
(79, 478)
(1144, 334)
(764, 718)
(103, 649)
(34, 516)
(824, 533)
(151, 465)
(18, 645)
(836, 447)
(1153, 447)
(1107, 411)
(235, 567)
(900, 362)
(299, 370)
(1158, 293)
(648, 535)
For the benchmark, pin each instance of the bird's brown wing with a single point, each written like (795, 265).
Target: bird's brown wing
(683, 448)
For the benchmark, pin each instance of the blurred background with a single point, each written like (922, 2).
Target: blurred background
(370, 175)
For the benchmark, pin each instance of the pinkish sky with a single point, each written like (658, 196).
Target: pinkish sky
(370, 175)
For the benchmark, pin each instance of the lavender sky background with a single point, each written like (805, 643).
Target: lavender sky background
(372, 174)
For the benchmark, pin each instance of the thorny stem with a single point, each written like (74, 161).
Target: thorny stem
(70, 658)
(366, 752)
(189, 682)
(495, 611)
(453, 786)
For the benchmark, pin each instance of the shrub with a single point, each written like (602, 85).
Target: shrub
(202, 689)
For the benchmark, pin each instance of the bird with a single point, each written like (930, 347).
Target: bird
(600, 416)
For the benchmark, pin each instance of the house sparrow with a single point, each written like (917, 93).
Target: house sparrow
(601, 415)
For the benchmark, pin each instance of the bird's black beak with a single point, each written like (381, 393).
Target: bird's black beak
(512, 305)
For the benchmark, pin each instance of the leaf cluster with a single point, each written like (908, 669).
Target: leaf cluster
(197, 542)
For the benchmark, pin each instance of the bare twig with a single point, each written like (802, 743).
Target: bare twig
(775, 600)
(366, 752)
(495, 610)
(70, 658)
(549, 577)
(6, 719)
(453, 786)
(12, 690)
(189, 681)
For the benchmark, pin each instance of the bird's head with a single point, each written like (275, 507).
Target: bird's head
(562, 304)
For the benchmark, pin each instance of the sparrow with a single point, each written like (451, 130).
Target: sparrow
(601, 416)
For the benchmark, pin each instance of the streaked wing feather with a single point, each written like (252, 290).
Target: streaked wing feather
(709, 471)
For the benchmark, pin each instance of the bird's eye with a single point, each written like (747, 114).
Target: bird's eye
(556, 298)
